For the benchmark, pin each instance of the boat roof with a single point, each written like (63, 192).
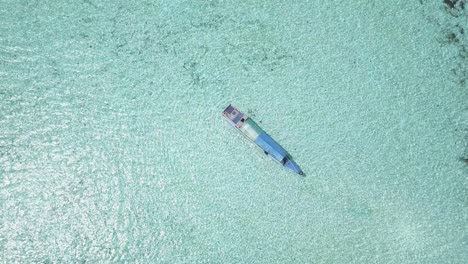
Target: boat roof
(234, 116)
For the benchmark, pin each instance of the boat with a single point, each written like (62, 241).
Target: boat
(252, 131)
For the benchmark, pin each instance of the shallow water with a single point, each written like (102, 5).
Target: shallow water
(113, 148)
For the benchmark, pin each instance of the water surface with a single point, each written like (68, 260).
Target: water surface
(113, 148)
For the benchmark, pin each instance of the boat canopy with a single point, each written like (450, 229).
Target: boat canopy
(271, 147)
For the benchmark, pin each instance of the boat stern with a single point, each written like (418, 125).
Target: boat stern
(234, 117)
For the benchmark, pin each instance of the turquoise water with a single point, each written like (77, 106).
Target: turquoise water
(113, 148)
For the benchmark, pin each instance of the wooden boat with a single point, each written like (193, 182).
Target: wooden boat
(252, 131)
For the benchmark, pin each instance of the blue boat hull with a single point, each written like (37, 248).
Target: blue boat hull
(252, 131)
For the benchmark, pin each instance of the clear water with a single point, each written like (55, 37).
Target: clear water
(113, 148)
